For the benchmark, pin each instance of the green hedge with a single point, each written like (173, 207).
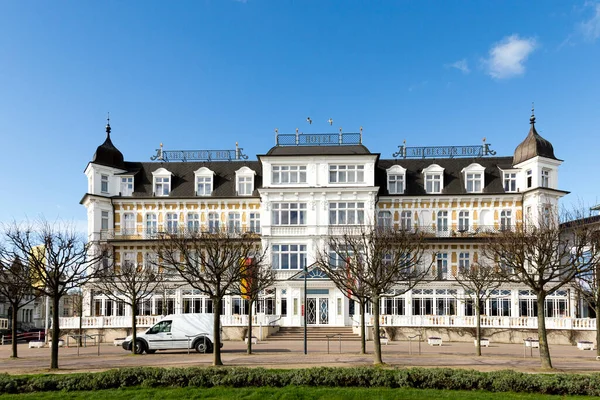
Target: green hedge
(418, 378)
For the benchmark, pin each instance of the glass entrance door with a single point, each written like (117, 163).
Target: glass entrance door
(317, 312)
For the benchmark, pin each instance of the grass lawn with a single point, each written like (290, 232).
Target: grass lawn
(286, 393)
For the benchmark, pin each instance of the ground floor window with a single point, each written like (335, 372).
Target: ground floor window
(392, 306)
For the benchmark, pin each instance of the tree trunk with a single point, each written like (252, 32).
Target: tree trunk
(478, 327)
(55, 333)
(133, 326)
(597, 308)
(13, 316)
(542, 334)
(376, 340)
(249, 334)
(363, 339)
(217, 331)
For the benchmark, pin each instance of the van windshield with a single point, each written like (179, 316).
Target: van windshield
(162, 326)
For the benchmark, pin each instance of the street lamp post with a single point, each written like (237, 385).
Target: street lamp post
(305, 309)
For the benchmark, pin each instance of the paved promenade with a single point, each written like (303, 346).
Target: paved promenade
(290, 354)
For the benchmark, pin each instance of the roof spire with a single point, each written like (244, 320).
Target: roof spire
(532, 119)
(108, 126)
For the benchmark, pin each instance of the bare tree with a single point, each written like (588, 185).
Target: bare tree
(587, 283)
(59, 258)
(383, 261)
(256, 278)
(17, 286)
(478, 281)
(132, 284)
(539, 256)
(213, 263)
(347, 272)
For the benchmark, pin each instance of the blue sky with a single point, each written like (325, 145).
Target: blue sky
(204, 74)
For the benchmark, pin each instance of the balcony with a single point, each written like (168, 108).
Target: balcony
(161, 233)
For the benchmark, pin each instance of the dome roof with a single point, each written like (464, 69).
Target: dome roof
(534, 145)
(107, 154)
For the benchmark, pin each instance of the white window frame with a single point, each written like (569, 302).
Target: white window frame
(442, 223)
(254, 221)
(234, 222)
(288, 214)
(214, 222)
(529, 178)
(104, 183)
(244, 181)
(126, 185)
(284, 256)
(346, 173)
(151, 221)
(104, 220)
(204, 181)
(161, 185)
(396, 179)
(128, 223)
(464, 262)
(474, 176)
(172, 222)
(384, 219)
(505, 219)
(441, 263)
(545, 178)
(288, 174)
(406, 220)
(464, 221)
(347, 213)
(434, 179)
(509, 179)
(193, 222)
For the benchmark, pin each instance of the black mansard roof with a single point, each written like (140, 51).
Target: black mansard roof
(183, 182)
(453, 182)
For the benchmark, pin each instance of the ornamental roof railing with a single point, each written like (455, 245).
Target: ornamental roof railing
(199, 155)
(318, 139)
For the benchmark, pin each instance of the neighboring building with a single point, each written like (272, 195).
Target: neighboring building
(310, 186)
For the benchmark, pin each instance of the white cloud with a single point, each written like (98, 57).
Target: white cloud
(508, 56)
(591, 28)
(461, 65)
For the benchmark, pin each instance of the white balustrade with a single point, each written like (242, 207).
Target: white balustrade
(442, 321)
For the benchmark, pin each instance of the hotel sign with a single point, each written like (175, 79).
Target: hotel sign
(444, 151)
(199, 155)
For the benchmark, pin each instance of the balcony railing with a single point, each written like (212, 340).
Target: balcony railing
(146, 321)
(430, 231)
(161, 233)
(447, 321)
(431, 321)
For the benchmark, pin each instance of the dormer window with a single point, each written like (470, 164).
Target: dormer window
(510, 181)
(162, 182)
(204, 181)
(434, 179)
(244, 184)
(473, 175)
(126, 185)
(396, 179)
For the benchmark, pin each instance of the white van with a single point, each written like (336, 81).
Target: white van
(177, 331)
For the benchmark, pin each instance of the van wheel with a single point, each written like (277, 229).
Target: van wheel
(150, 351)
(140, 347)
(203, 345)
